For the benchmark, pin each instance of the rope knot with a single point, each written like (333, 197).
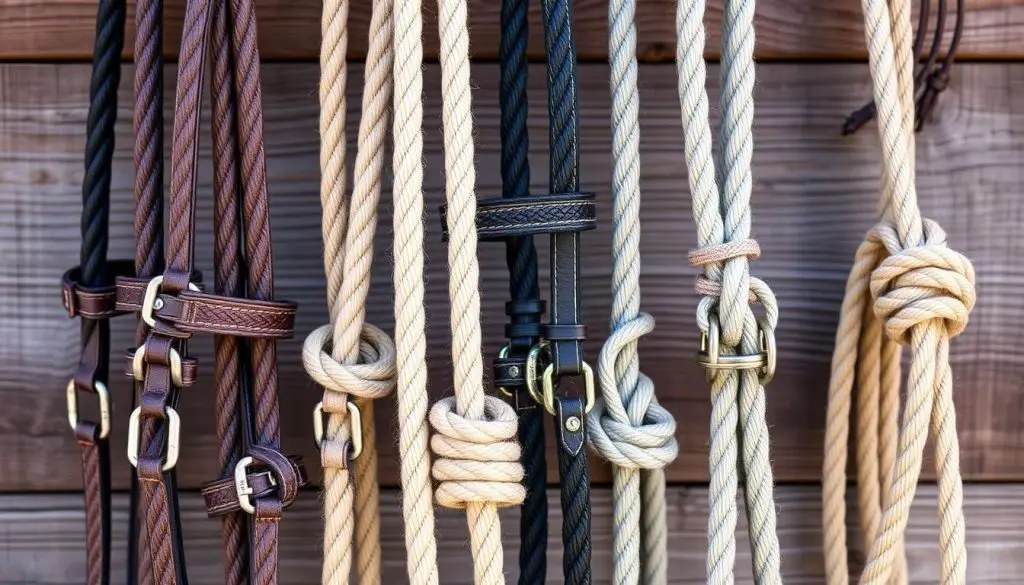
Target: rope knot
(371, 377)
(628, 427)
(921, 284)
(477, 461)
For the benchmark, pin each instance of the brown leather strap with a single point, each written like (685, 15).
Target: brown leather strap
(189, 368)
(222, 495)
(198, 312)
(93, 302)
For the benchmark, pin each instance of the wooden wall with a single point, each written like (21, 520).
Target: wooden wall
(814, 196)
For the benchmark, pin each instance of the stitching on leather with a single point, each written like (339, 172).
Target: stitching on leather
(535, 207)
(524, 226)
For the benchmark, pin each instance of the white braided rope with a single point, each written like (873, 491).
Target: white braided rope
(921, 293)
(410, 317)
(628, 427)
(477, 458)
(721, 208)
(362, 358)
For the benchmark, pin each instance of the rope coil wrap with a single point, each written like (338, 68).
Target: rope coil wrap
(921, 293)
(628, 427)
(361, 359)
(477, 458)
(721, 210)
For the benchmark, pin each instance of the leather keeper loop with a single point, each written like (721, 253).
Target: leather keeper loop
(189, 368)
(567, 332)
(510, 372)
(93, 302)
(199, 312)
(221, 495)
(501, 218)
(525, 307)
(517, 330)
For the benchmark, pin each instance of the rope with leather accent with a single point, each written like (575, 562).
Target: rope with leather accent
(173, 307)
(737, 349)
(410, 315)
(628, 427)
(476, 457)
(361, 362)
(921, 294)
(86, 292)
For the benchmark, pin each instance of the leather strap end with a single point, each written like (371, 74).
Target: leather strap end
(507, 217)
(221, 496)
(93, 302)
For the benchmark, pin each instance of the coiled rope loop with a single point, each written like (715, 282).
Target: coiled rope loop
(921, 294)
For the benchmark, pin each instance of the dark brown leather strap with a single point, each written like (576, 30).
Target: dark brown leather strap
(81, 300)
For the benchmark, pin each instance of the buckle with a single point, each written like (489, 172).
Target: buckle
(173, 437)
(151, 303)
(765, 360)
(546, 396)
(139, 369)
(242, 487)
(103, 397)
(356, 424)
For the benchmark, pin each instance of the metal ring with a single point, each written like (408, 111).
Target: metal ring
(549, 388)
(356, 424)
(532, 361)
(502, 354)
(711, 359)
(103, 396)
(173, 437)
(139, 370)
(149, 300)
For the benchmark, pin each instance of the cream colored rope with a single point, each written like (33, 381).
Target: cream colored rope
(921, 293)
(410, 316)
(721, 210)
(362, 357)
(477, 465)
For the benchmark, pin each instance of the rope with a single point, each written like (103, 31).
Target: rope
(721, 208)
(477, 465)
(921, 294)
(629, 427)
(410, 318)
(521, 259)
(362, 357)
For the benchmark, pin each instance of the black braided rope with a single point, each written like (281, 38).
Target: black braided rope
(563, 130)
(521, 258)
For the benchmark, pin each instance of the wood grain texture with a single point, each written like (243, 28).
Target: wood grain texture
(814, 198)
(42, 539)
(290, 29)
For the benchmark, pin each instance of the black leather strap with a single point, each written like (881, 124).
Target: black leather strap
(509, 217)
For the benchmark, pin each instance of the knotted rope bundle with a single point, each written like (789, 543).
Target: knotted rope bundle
(361, 363)
(921, 293)
(721, 209)
(477, 464)
(628, 427)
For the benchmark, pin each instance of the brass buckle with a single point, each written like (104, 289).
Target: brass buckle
(103, 397)
(150, 302)
(139, 370)
(502, 354)
(173, 437)
(242, 487)
(547, 395)
(356, 424)
(765, 360)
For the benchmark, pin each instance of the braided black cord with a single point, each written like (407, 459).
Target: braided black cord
(563, 108)
(99, 141)
(521, 258)
(575, 478)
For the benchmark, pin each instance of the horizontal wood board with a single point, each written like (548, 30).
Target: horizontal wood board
(814, 196)
(42, 539)
(290, 29)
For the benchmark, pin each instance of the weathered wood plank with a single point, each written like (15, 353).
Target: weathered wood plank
(814, 198)
(63, 29)
(42, 539)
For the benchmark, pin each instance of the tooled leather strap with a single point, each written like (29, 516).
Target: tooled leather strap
(565, 331)
(86, 290)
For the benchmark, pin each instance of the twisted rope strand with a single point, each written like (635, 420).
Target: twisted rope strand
(921, 294)
(410, 318)
(721, 210)
(628, 427)
(477, 464)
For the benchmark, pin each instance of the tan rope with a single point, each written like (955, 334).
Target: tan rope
(362, 357)
(410, 316)
(921, 293)
(477, 464)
